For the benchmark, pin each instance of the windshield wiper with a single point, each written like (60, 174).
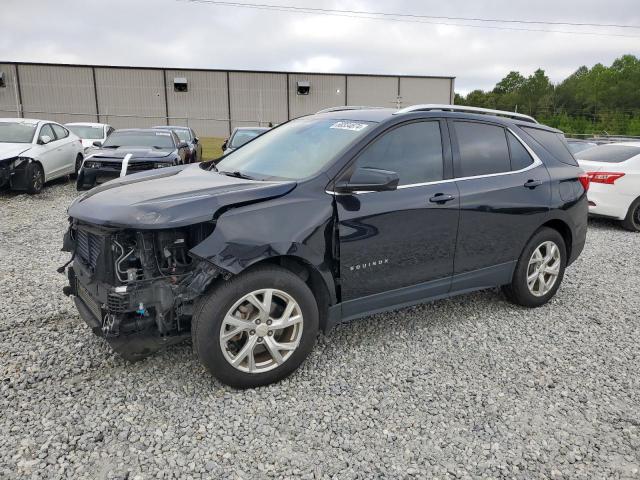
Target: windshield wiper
(236, 174)
(111, 146)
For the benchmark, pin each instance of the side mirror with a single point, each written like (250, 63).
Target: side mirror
(196, 139)
(224, 144)
(366, 179)
(44, 139)
(97, 143)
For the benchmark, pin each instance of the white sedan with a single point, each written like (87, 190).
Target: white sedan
(92, 135)
(614, 171)
(33, 152)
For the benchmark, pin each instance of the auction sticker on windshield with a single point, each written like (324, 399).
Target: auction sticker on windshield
(353, 126)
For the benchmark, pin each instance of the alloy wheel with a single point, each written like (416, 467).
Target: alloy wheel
(261, 330)
(36, 179)
(543, 269)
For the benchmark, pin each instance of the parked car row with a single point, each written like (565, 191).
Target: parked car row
(33, 152)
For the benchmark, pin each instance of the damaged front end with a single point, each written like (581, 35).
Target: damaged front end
(137, 288)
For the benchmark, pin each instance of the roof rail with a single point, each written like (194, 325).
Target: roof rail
(462, 108)
(346, 107)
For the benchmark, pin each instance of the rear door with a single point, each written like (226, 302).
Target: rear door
(402, 238)
(49, 154)
(67, 149)
(504, 196)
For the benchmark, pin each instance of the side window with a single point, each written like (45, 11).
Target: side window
(483, 149)
(413, 151)
(520, 157)
(60, 132)
(46, 130)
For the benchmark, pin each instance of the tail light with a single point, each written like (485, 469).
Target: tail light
(608, 178)
(585, 181)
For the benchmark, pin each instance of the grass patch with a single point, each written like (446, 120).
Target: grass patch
(211, 147)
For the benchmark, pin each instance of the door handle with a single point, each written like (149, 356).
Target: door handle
(533, 183)
(441, 198)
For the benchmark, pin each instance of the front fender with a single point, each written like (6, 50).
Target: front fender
(287, 226)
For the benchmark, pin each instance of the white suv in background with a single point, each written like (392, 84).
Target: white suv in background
(33, 152)
(614, 172)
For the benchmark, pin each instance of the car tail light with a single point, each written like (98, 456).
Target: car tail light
(607, 178)
(584, 180)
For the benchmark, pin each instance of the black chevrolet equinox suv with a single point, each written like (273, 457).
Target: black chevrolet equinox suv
(322, 220)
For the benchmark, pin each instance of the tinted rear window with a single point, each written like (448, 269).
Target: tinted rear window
(483, 149)
(609, 153)
(554, 143)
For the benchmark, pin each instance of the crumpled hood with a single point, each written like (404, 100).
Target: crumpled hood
(10, 150)
(138, 153)
(169, 198)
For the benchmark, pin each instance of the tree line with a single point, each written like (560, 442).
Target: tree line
(598, 100)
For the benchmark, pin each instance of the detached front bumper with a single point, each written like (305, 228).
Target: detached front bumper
(90, 177)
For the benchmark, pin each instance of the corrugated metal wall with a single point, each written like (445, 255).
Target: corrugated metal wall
(372, 91)
(63, 90)
(206, 98)
(9, 100)
(215, 102)
(257, 98)
(425, 90)
(326, 91)
(131, 97)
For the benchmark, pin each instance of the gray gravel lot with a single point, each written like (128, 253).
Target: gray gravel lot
(468, 387)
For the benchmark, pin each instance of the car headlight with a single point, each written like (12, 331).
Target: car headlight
(91, 164)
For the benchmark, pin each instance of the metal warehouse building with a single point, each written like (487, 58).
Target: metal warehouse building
(211, 101)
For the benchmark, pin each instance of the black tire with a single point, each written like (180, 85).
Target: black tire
(518, 291)
(212, 308)
(35, 178)
(79, 160)
(632, 220)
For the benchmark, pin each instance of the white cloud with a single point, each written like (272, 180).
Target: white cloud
(176, 33)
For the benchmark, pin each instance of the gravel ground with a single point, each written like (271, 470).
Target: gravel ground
(468, 387)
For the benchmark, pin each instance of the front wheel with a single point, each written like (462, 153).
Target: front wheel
(35, 178)
(632, 220)
(539, 270)
(256, 328)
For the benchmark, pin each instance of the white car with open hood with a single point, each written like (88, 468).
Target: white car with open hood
(33, 152)
(92, 135)
(614, 172)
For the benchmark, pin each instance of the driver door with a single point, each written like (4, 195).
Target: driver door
(398, 246)
(50, 154)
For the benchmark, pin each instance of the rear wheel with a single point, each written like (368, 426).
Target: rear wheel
(539, 270)
(632, 220)
(35, 178)
(257, 328)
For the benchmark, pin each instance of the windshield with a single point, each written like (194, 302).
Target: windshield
(17, 132)
(243, 136)
(87, 132)
(296, 150)
(139, 139)
(609, 153)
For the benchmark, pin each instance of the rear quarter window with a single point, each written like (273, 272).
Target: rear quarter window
(609, 153)
(552, 142)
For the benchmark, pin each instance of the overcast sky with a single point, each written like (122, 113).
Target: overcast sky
(176, 33)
